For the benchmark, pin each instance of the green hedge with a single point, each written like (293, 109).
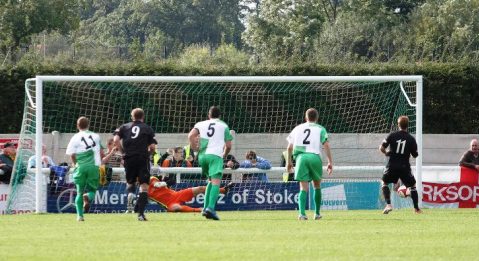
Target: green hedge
(451, 91)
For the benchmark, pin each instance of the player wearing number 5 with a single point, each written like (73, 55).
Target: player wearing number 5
(401, 145)
(304, 144)
(137, 140)
(212, 139)
(85, 151)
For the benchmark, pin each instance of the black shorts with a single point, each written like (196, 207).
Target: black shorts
(137, 169)
(392, 175)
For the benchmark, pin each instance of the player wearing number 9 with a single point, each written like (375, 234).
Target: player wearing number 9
(401, 146)
(85, 151)
(137, 140)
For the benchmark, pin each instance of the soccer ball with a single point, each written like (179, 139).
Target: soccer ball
(403, 192)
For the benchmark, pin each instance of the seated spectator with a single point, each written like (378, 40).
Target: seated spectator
(287, 176)
(176, 160)
(470, 158)
(190, 155)
(7, 158)
(254, 161)
(46, 160)
(229, 162)
(112, 158)
(159, 158)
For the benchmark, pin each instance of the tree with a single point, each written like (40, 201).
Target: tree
(20, 19)
(284, 29)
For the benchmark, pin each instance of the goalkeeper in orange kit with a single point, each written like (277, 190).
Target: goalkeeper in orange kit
(173, 200)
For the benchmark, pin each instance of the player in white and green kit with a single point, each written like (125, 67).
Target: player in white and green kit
(85, 151)
(212, 139)
(305, 143)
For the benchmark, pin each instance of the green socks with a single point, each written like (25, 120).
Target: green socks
(79, 201)
(317, 200)
(207, 195)
(213, 196)
(302, 202)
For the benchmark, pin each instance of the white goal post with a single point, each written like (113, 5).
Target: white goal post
(39, 81)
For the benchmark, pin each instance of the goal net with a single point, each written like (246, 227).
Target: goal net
(357, 112)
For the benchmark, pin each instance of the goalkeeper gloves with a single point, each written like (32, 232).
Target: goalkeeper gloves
(160, 184)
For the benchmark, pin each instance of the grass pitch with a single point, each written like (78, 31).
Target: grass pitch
(244, 235)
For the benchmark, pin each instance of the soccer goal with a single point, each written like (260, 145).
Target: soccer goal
(357, 112)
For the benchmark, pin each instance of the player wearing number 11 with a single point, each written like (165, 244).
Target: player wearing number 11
(304, 144)
(85, 151)
(401, 145)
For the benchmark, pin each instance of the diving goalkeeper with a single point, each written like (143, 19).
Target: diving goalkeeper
(174, 201)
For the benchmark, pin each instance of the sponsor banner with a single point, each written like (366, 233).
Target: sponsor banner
(242, 196)
(3, 197)
(349, 195)
(454, 189)
(4, 200)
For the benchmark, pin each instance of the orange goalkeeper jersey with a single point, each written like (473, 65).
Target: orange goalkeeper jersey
(166, 196)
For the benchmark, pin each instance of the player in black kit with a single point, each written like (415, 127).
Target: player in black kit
(137, 141)
(401, 145)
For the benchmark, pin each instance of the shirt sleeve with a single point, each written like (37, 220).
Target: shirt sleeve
(71, 147)
(119, 132)
(290, 137)
(324, 135)
(228, 136)
(151, 138)
(386, 141)
(414, 152)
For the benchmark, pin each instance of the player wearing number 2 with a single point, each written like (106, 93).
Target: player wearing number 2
(212, 139)
(401, 145)
(85, 151)
(137, 140)
(304, 144)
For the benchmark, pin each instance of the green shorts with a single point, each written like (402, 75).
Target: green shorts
(87, 177)
(308, 167)
(211, 166)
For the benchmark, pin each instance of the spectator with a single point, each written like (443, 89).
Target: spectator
(176, 160)
(190, 155)
(470, 158)
(159, 158)
(230, 162)
(46, 160)
(112, 158)
(254, 161)
(7, 158)
(288, 175)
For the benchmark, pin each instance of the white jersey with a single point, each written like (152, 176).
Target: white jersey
(213, 135)
(86, 146)
(308, 138)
